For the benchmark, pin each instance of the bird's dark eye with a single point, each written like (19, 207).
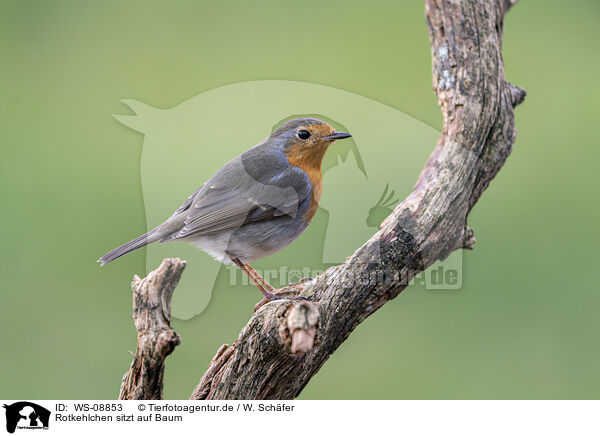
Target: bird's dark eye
(303, 134)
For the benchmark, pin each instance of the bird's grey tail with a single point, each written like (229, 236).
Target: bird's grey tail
(134, 244)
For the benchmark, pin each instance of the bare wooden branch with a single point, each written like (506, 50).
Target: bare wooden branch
(478, 133)
(156, 340)
(287, 341)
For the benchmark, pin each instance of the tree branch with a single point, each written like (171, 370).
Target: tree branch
(287, 341)
(156, 340)
(477, 137)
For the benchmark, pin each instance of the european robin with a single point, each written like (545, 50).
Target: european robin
(254, 205)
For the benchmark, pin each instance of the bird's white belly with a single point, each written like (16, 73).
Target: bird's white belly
(215, 245)
(220, 244)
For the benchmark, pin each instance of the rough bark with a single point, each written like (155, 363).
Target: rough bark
(287, 341)
(155, 340)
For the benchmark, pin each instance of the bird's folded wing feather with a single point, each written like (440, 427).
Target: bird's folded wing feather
(223, 208)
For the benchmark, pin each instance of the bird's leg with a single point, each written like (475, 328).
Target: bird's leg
(263, 286)
(266, 285)
(268, 293)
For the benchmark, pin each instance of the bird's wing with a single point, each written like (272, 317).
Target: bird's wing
(227, 208)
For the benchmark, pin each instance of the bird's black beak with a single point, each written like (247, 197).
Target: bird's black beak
(337, 135)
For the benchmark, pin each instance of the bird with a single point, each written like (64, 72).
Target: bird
(254, 205)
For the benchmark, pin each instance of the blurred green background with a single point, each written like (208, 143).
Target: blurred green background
(524, 324)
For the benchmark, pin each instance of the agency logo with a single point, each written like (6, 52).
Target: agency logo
(26, 415)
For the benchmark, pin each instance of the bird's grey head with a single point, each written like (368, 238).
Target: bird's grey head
(305, 133)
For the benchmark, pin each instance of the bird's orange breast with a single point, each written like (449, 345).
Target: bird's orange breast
(309, 161)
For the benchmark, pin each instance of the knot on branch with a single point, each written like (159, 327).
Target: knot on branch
(468, 238)
(166, 342)
(299, 327)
